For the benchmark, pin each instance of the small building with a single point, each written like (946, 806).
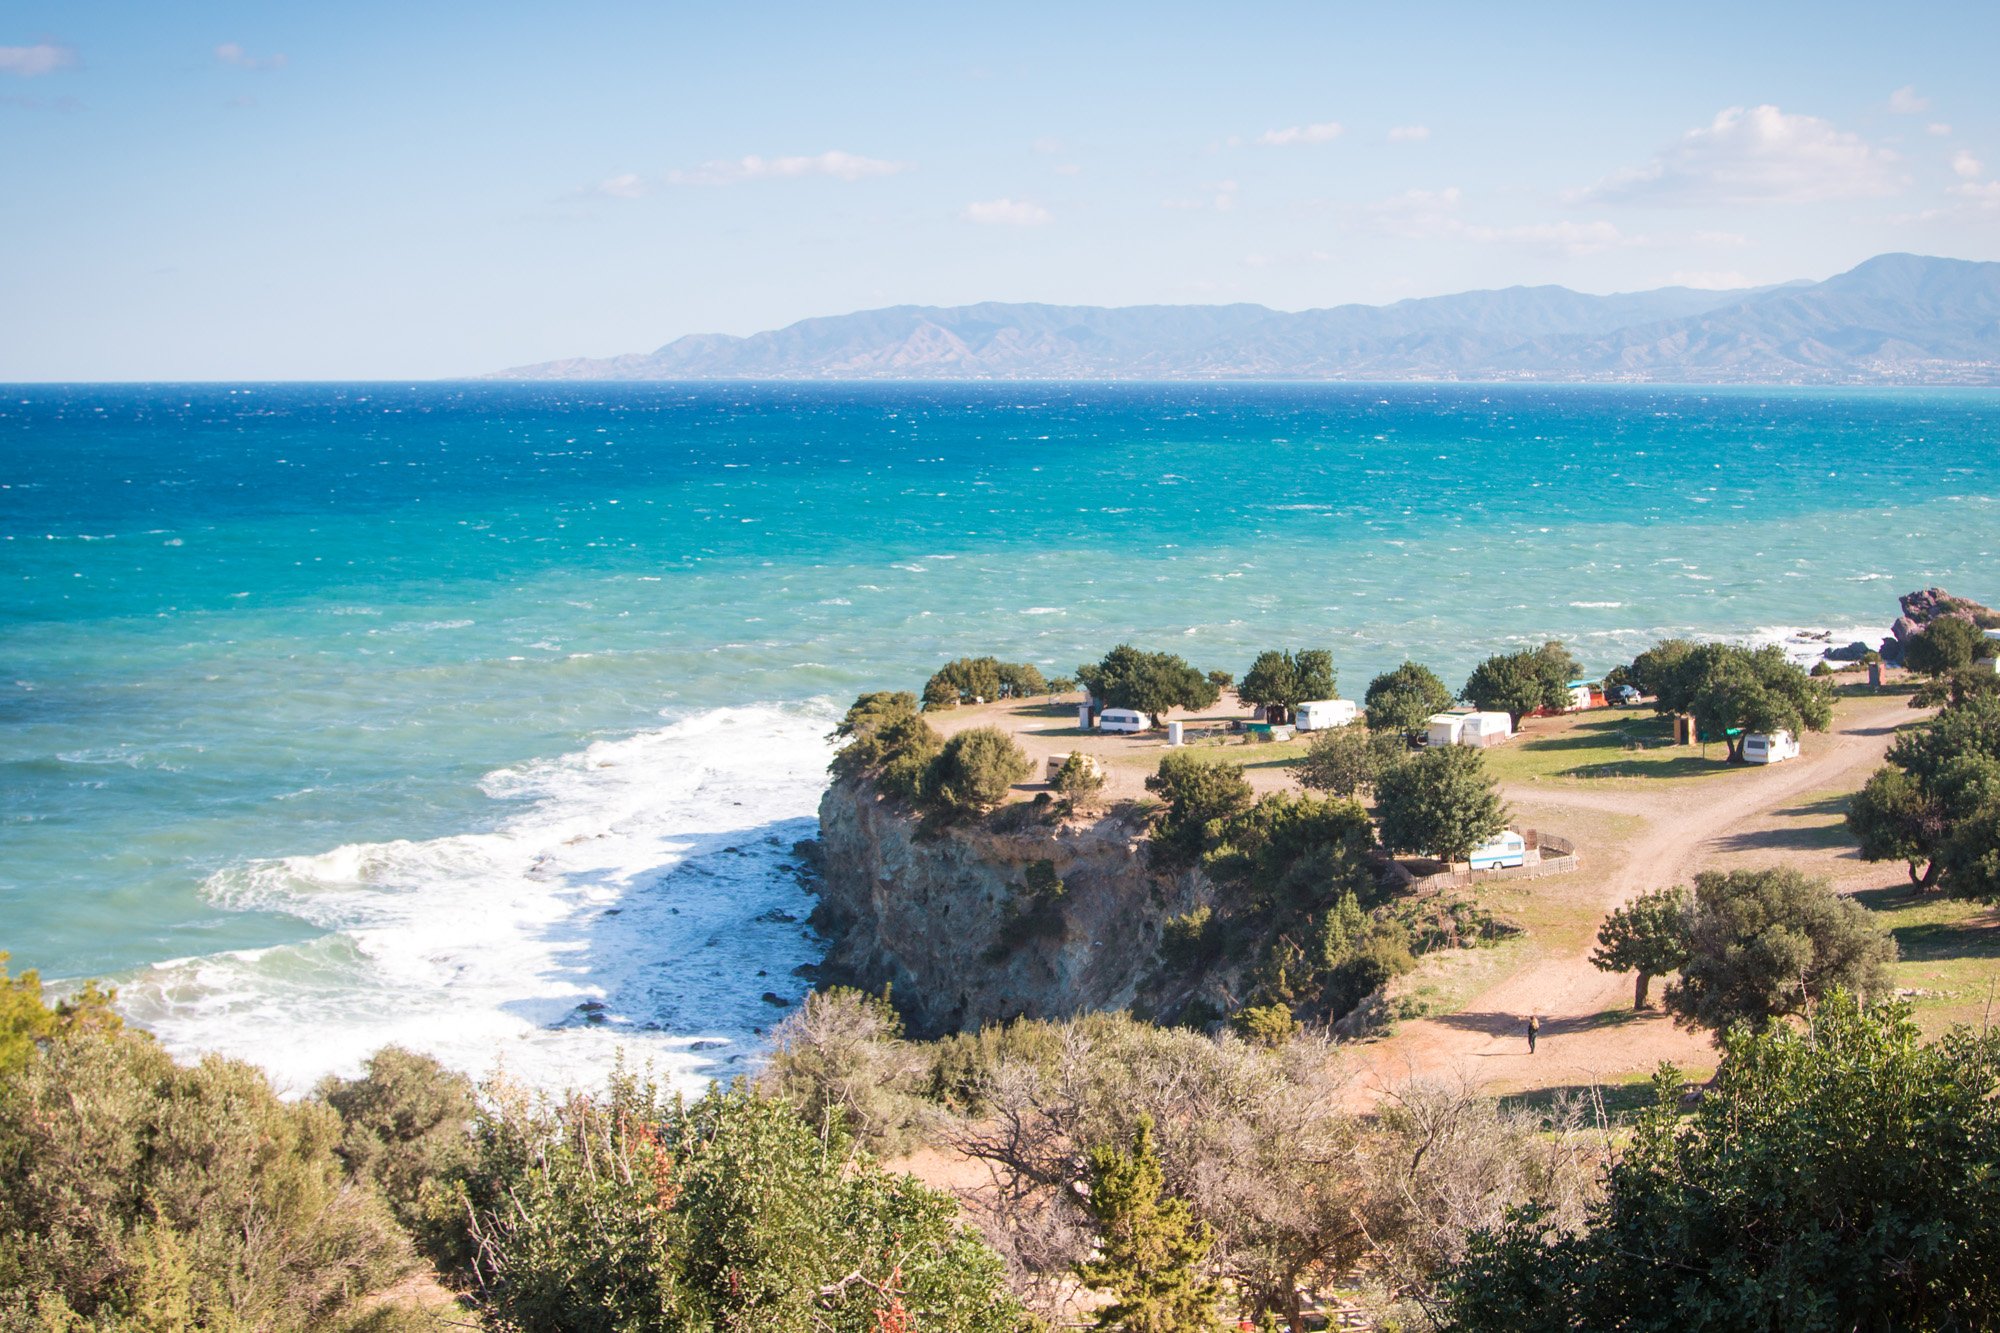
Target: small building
(1122, 719)
(1478, 730)
(1320, 714)
(1772, 748)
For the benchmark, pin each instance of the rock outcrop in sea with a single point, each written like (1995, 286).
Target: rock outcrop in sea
(1922, 607)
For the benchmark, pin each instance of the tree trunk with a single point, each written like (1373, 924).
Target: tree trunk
(1929, 879)
(1639, 990)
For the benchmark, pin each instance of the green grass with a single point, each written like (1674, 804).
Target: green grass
(1949, 954)
(1623, 1098)
(1612, 744)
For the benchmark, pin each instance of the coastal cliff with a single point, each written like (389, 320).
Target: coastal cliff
(972, 923)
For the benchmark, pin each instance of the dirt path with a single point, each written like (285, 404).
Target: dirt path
(1588, 1031)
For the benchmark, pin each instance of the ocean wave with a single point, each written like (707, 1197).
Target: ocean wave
(639, 894)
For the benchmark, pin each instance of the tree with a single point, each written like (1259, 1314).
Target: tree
(1727, 688)
(887, 741)
(1836, 1175)
(1440, 803)
(1934, 804)
(1765, 943)
(1202, 796)
(1222, 680)
(1152, 683)
(406, 1125)
(1346, 761)
(1947, 644)
(1649, 936)
(1079, 780)
(25, 1021)
(967, 679)
(975, 769)
(1150, 1247)
(1522, 683)
(1280, 681)
(1404, 699)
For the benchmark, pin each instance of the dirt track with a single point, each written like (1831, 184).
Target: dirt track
(1587, 1031)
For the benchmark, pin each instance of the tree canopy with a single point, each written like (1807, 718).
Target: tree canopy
(1835, 1176)
(1936, 803)
(1765, 943)
(1440, 803)
(974, 770)
(1150, 1248)
(1649, 936)
(1404, 699)
(1281, 681)
(1202, 795)
(1727, 687)
(1151, 683)
(1947, 644)
(1521, 683)
(887, 741)
(1346, 761)
(970, 678)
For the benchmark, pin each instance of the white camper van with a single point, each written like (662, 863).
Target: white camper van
(1508, 849)
(1122, 719)
(1320, 714)
(1777, 747)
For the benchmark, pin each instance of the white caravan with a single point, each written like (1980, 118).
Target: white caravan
(1320, 714)
(1122, 719)
(1777, 747)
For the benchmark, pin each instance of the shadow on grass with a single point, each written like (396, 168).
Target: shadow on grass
(1653, 733)
(1974, 934)
(1623, 1102)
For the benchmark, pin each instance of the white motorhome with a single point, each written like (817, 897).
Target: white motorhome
(1475, 729)
(1508, 849)
(1319, 714)
(1122, 719)
(1774, 748)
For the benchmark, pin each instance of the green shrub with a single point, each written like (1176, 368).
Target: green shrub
(974, 771)
(406, 1126)
(1202, 795)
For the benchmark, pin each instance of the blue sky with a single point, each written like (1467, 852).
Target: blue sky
(217, 191)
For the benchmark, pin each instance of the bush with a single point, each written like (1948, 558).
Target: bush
(406, 1125)
(974, 770)
(138, 1193)
(1765, 943)
(1649, 936)
(841, 1056)
(888, 742)
(1834, 1176)
(1345, 761)
(1190, 939)
(973, 678)
(627, 1212)
(1202, 795)
(1079, 780)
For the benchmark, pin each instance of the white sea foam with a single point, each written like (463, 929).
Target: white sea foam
(638, 895)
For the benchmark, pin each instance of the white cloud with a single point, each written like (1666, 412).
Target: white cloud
(1007, 213)
(230, 53)
(1940, 129)
(1905, 102)
(1965, 164)
(1409, 133)
(28, 61)
(1721, 239)
(1218, 195)
(628, 185)
(834, 163)
(1067, 169)
(1323, 132)
(1048, 143)
(1755, 155)
(1709, 280)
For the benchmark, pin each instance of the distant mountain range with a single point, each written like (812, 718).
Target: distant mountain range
(1896, 319)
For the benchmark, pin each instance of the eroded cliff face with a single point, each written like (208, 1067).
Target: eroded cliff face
(947, 918)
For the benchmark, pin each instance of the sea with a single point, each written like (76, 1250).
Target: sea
(485, 718)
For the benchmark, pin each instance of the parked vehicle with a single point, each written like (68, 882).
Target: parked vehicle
(1508, 849)
(1478, 730)
(1778, 746)
(1320, 714)
(1122, 719)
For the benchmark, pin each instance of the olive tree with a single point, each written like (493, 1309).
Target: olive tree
(1521, 683)
(1151, 683)
(1947, 644)
(1345, 761)
(1441, 803)
(975, 769)
(1404, 699)
(1726, 687)
(1649, 936)
(1934, 804)
(1765, 943)
(1280, 681)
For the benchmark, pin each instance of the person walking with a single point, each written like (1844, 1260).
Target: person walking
(1534, 1030)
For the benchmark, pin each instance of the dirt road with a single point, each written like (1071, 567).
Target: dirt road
(1588, 1031)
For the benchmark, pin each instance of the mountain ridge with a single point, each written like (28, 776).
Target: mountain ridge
(1893, 319)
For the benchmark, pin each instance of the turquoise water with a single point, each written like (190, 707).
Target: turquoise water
(342, 714)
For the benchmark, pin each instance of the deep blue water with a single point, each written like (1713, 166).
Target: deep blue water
(256, 635)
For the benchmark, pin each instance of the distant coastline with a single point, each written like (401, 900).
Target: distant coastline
(1893, 320)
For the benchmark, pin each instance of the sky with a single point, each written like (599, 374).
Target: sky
(201, 191)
